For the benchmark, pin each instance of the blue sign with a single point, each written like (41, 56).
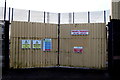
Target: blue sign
(47, 45)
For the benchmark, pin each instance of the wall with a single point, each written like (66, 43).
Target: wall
(116, 9)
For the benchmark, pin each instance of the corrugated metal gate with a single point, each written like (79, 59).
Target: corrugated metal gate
(92, 45)
(27, 58)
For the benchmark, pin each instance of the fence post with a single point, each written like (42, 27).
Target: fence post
(104, 16)
(70, 18)
(44, 16)
(5, 11)
(88, 17)
(12, 14)
(29, 16)
(5, 46)
(73, 17)
(9, 14)
(48, 17)
(58, 38)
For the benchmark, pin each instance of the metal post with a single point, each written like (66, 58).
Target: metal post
(5, 46)
(70, 17)
(12, 14)
(44, 16)
(9, 14)
(88, 17)
(5, 11)
(58, 38)
(48, 17)
(29, 16)
(104, 16)
(73, 17)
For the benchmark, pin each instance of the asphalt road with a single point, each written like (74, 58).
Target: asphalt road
(55, 74)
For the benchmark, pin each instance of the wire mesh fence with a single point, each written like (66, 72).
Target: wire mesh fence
(96, 17)
(52, 18)
(20, 15)
(1, 13)
(48, 17)
(36, 16)
(81, 17)
(107, 16)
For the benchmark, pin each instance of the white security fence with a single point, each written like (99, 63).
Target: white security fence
(48, 17)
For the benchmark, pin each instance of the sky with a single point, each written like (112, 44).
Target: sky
(59, 5)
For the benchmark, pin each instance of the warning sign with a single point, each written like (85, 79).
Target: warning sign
(78, 49)
(36, 44)
(79, 32)
(26, 44)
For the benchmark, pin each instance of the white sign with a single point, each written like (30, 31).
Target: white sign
(79, 32)
(26, 44)
(78, 49)
(36, 44)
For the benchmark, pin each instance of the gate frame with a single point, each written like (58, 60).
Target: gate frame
(5, 47)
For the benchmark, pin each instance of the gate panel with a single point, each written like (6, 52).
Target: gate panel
(27, 58)
(93, 44)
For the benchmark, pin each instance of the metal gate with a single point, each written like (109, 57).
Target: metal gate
(71, 45)
(83, 45)
(31, 57)
(113, 46)
(4, 47)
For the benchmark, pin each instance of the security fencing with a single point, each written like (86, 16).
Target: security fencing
(13, 14)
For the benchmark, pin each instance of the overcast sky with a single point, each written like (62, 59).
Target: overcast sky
(59, 5)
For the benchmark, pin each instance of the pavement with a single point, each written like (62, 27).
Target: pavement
(55, 73)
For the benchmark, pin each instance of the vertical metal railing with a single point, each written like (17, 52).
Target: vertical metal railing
(44, 16)
(104, 16)
(73, 17)
(12, 14)
(88, 17)
(29, 16)
(70, 18)
(9, 14)
(58, 38)
(48, 17)
(5, 11)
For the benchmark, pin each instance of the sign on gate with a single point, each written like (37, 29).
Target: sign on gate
(47, 44)
(26, 44)
(78, 49)
(36, 44)
(79, 32)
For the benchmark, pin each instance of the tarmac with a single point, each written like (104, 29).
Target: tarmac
(56, 73)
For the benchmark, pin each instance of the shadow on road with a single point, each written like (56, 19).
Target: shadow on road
(55, 74)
